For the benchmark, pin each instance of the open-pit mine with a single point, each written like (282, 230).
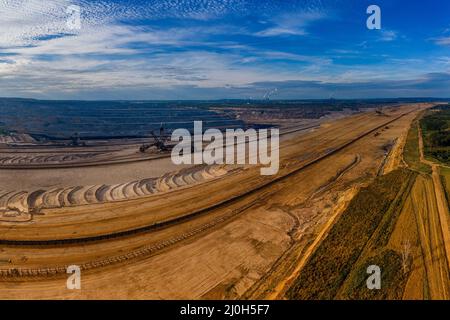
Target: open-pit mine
(353, 189)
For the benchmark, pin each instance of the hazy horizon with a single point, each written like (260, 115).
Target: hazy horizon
(237, 99)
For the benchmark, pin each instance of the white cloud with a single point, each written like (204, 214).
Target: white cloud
(42, 55)
(291, 24)
(23, 22)
(277, 31)
(443, 41)
(388, 35)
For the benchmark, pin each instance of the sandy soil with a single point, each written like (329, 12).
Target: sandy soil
(405, 240)
(430, 234)
(395, 157)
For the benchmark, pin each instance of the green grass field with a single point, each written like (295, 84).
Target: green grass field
(370, 215)
(435, 127)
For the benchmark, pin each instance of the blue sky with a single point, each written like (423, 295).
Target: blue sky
(224, 49)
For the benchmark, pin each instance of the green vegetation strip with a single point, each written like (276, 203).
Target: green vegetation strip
(393, 278)
(436, 134)
(329, 266)
(387, 225)
(411, 152)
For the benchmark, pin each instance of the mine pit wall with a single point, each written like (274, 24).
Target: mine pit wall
(26, 203)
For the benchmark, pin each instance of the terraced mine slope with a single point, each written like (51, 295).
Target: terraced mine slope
(15, 205)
